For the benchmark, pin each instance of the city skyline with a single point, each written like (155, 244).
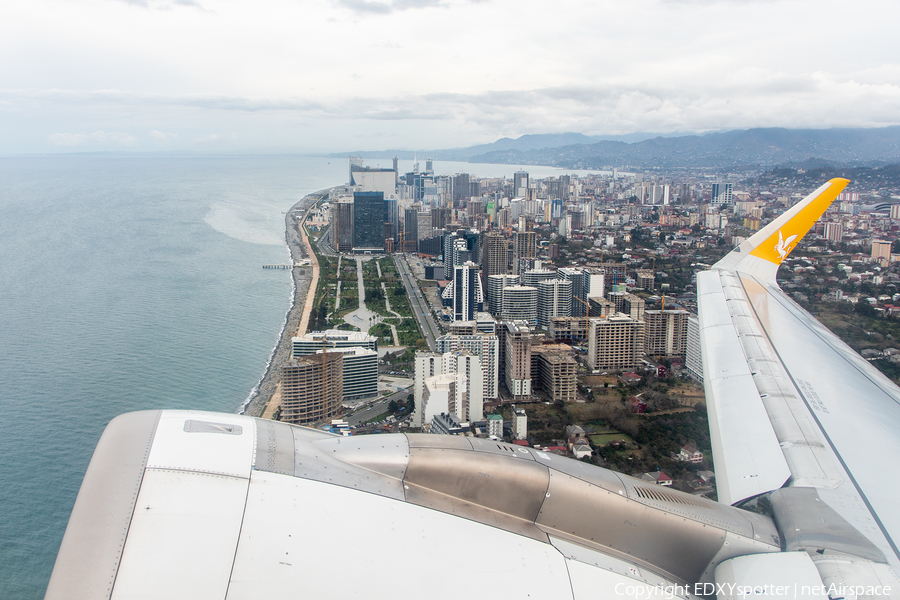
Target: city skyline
(212, 76)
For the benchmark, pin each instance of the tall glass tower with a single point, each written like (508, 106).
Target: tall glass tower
(368, 221)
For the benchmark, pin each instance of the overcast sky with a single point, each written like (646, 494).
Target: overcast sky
(336, 75)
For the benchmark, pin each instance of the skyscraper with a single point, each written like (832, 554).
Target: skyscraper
(519, 304)
(525, 247)
(494, 254)
(466, 285)
(554, 300)
(721, 193)
(410, 229)
(312, 388)
(518, 360)
(368, 221)
(585, 284)
(520, 184)
(392, 215)
(485, 346)
(496, 284)
(665, 332)
(343, 226)
(615, 342)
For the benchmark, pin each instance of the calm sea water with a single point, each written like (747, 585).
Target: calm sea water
(126, 283)
(130, 283)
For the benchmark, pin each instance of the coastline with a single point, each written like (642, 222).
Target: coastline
(257, 403)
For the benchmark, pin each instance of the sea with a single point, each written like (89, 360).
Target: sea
(133, 282)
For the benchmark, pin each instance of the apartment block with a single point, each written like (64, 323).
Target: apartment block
(665, 332)
(615, 342)
(553, 370)
(554, 300)
(312, 388)
(518, 360)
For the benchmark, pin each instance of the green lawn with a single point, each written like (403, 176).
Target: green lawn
(602, 439)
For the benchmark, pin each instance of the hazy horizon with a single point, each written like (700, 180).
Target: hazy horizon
(326, 76)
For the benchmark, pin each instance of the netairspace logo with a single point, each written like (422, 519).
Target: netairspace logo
(737, 591)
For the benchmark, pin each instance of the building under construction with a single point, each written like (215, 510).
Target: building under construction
(312, 388)
(554, 370)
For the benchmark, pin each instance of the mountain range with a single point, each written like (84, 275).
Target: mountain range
(761, 147)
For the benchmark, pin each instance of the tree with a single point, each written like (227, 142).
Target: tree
(393, 407)
(865, 309)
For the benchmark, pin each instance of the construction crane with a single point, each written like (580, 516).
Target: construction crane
(587, 315)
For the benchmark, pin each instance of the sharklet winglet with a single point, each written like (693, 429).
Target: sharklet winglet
(765, 250)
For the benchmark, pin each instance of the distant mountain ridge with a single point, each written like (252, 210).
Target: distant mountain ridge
(763, 147)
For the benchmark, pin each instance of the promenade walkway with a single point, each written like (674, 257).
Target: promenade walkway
(314, 282)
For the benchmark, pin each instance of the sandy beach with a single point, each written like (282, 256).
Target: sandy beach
(303, 277)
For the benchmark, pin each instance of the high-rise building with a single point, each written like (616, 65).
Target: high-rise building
(461, 188)
(645, 279)
(613, 274)
(722, 193)
(312, 388)
(359, 372)
(343, 226)
(440, 218)
(693, 360)
(525, 246)
(586, 283)
(554, 300)
(568, 329)
(520, 184)
(410, 229)
(631, 305)
(615, 342)
(665, 332)
(423, 225)
(496, 284)
(834, 232)
(441, 394)
(518, 360)
(519, 303)
(467, 294)
(392, 216)
(467, 404)
(486, 347)
(554, 370)
(494, 254)
(600, 307)
(881, 251)
(372, 179)
(532, 277)
(368, 220)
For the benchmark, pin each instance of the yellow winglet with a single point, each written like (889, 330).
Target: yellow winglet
(778, 245)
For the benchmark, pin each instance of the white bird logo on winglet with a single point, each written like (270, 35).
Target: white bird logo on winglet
(783, 245)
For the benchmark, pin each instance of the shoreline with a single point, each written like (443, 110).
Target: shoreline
(256, 404)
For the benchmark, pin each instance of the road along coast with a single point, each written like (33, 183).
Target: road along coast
(269, 385)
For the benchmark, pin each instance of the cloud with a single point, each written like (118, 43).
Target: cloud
(366, 7)
(98, 138)
(124, 98)
(390, 6)
(161, 137)
(164, 4)
(214, 139)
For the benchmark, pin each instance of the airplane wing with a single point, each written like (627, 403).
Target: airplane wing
(195, 505)
(796, 415)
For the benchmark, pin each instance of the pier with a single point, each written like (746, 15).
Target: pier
(302, 263)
